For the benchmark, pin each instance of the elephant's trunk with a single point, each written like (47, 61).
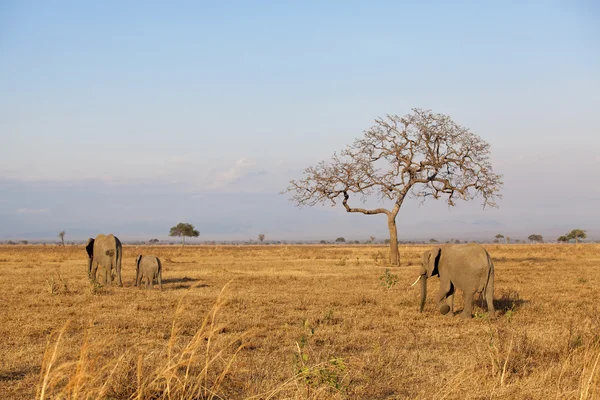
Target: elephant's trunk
(423, 291)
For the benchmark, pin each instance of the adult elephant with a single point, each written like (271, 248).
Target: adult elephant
(467, 267)
(106, 251)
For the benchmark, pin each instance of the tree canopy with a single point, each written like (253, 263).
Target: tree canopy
(420, 155)
(536, 238)
(182, 230)
(577, 234)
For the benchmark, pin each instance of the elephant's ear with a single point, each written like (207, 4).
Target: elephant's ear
(89, 247)
(433, 258)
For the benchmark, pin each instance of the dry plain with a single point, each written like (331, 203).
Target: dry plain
(296, 322)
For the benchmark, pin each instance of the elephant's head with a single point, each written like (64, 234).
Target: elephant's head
(89, 248)
(429, 268)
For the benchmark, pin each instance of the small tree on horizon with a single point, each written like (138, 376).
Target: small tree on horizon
(536, 238)
(563, 239)
(420, 155)
(182, 230)
(261, 237)
(577, 234)
(433, 241)
(340, 240)
(499, 236)
(61, 235)
(372, 239)
(153, 241)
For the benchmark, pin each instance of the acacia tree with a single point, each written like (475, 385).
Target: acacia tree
(261, 237)
(577, 234)
(421, 155)
(563, 239)
(536, 238)
(499, 236)
(182, 230)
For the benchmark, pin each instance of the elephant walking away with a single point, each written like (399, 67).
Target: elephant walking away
(150, 268)
(105, 251)
(467, 267)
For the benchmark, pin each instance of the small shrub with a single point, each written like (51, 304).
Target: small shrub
(57, 285)
(342, 261)
(95, 287)
(388, 280)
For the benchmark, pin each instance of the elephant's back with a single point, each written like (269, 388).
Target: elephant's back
(149, 261)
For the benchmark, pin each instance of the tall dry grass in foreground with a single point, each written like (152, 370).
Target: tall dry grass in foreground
(299, 322)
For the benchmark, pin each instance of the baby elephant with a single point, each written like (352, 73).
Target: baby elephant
(148, 267)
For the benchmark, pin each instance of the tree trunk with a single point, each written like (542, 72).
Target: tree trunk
(394, 254)
(183, 241)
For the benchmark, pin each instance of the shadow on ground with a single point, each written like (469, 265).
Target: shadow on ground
(184, 283)
(509, 301)
(17, 375)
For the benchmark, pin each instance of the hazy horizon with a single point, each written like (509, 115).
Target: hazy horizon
(129, 118)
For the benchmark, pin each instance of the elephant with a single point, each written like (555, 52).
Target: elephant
(106, 251)
(467, 267)
(148, 267)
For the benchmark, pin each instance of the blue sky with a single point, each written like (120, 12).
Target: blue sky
(132, 116)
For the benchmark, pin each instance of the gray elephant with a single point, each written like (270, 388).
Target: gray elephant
(148, 267)
(105, 251)
(467, 267)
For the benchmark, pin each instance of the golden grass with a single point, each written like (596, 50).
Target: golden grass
(295, 322)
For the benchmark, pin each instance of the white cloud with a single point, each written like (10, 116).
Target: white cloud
(223, 178)
(32, 211)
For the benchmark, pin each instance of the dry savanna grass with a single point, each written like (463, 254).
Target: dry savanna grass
(296, 322)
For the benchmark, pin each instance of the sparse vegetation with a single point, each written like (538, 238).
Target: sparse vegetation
(360, 342)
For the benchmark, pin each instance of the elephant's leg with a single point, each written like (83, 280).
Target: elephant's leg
(160, 280)
(94, 271)
(102, 274)
(450, 301)
(147, 281)
(445, 287)
(468, 310)
(108, 276)
(489, 299)
(151, 279)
